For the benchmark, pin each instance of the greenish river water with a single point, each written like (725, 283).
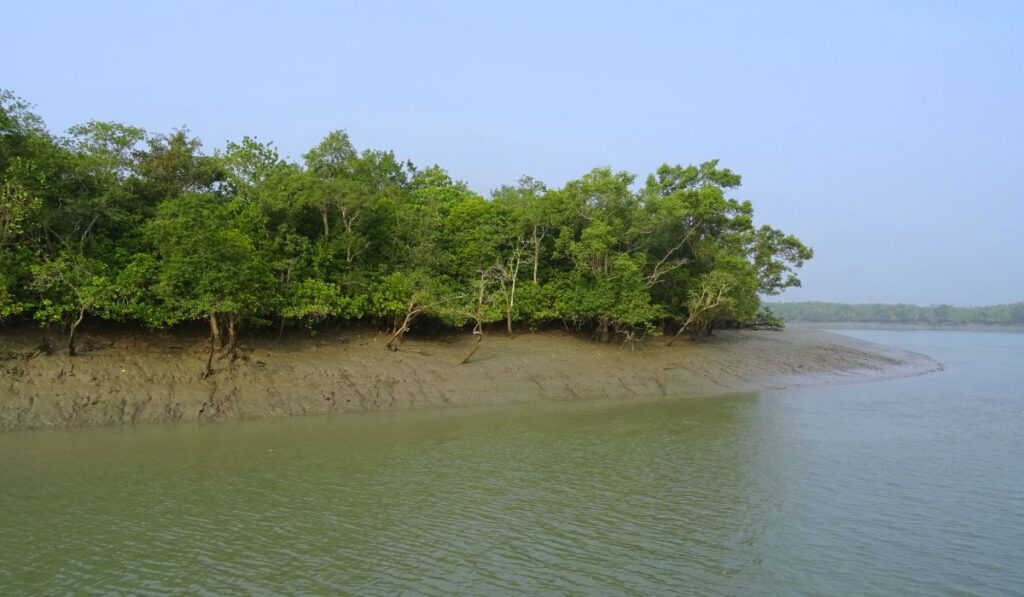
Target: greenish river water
(907, 486)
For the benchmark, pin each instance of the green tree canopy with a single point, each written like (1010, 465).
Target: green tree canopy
(113, 222)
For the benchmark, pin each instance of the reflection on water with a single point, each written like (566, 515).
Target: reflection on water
(911, 485)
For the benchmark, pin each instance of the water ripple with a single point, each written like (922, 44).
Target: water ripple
(913, 486)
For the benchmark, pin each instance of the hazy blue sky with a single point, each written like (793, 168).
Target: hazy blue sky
(889, 135)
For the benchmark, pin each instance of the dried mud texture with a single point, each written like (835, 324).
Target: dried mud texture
(124, 378)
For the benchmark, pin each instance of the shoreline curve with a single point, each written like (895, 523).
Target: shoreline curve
(126, 378)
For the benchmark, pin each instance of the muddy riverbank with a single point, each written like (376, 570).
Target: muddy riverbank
(124, 378)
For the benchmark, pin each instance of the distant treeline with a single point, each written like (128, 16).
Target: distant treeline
(1011, 314)
(111, 222)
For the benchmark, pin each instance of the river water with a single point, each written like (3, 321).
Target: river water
(906, 486)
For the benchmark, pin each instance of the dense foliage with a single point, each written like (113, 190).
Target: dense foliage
(1012, 314)
(109, 221)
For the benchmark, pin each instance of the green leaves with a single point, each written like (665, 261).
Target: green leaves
(315, 300)
(18, 208)
(777, 256)
(332, 157)
(68, 284)
(206, 264)
(127, 225)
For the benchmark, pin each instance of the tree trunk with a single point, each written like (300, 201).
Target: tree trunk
(213, 349)
(479, 339)
(215, 331)
(232, 339)
(72, 330)
(511, 306)
(478, 329)
(536, 253)
(396, 336)
(327, 226)
(678, 333)
(410, 312)
(47, 345)
(215, 344)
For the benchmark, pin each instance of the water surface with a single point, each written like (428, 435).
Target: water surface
(907, 486)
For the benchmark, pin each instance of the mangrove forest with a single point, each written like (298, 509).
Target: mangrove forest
(109, 222)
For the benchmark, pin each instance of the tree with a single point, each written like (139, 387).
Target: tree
(249, 163)
(776, 256)
(332, 157)
(599, 237)
(101, 160)
(169, 166)
(18, 211)
(402, 297)
(314, 300)
(113, 222)
(479, 311)
(208, 268)
(532, 216)
(31, 172)
(710, 299)
(507, 274)
(70, 286)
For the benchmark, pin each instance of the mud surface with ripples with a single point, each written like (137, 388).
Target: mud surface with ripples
(145, 378)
